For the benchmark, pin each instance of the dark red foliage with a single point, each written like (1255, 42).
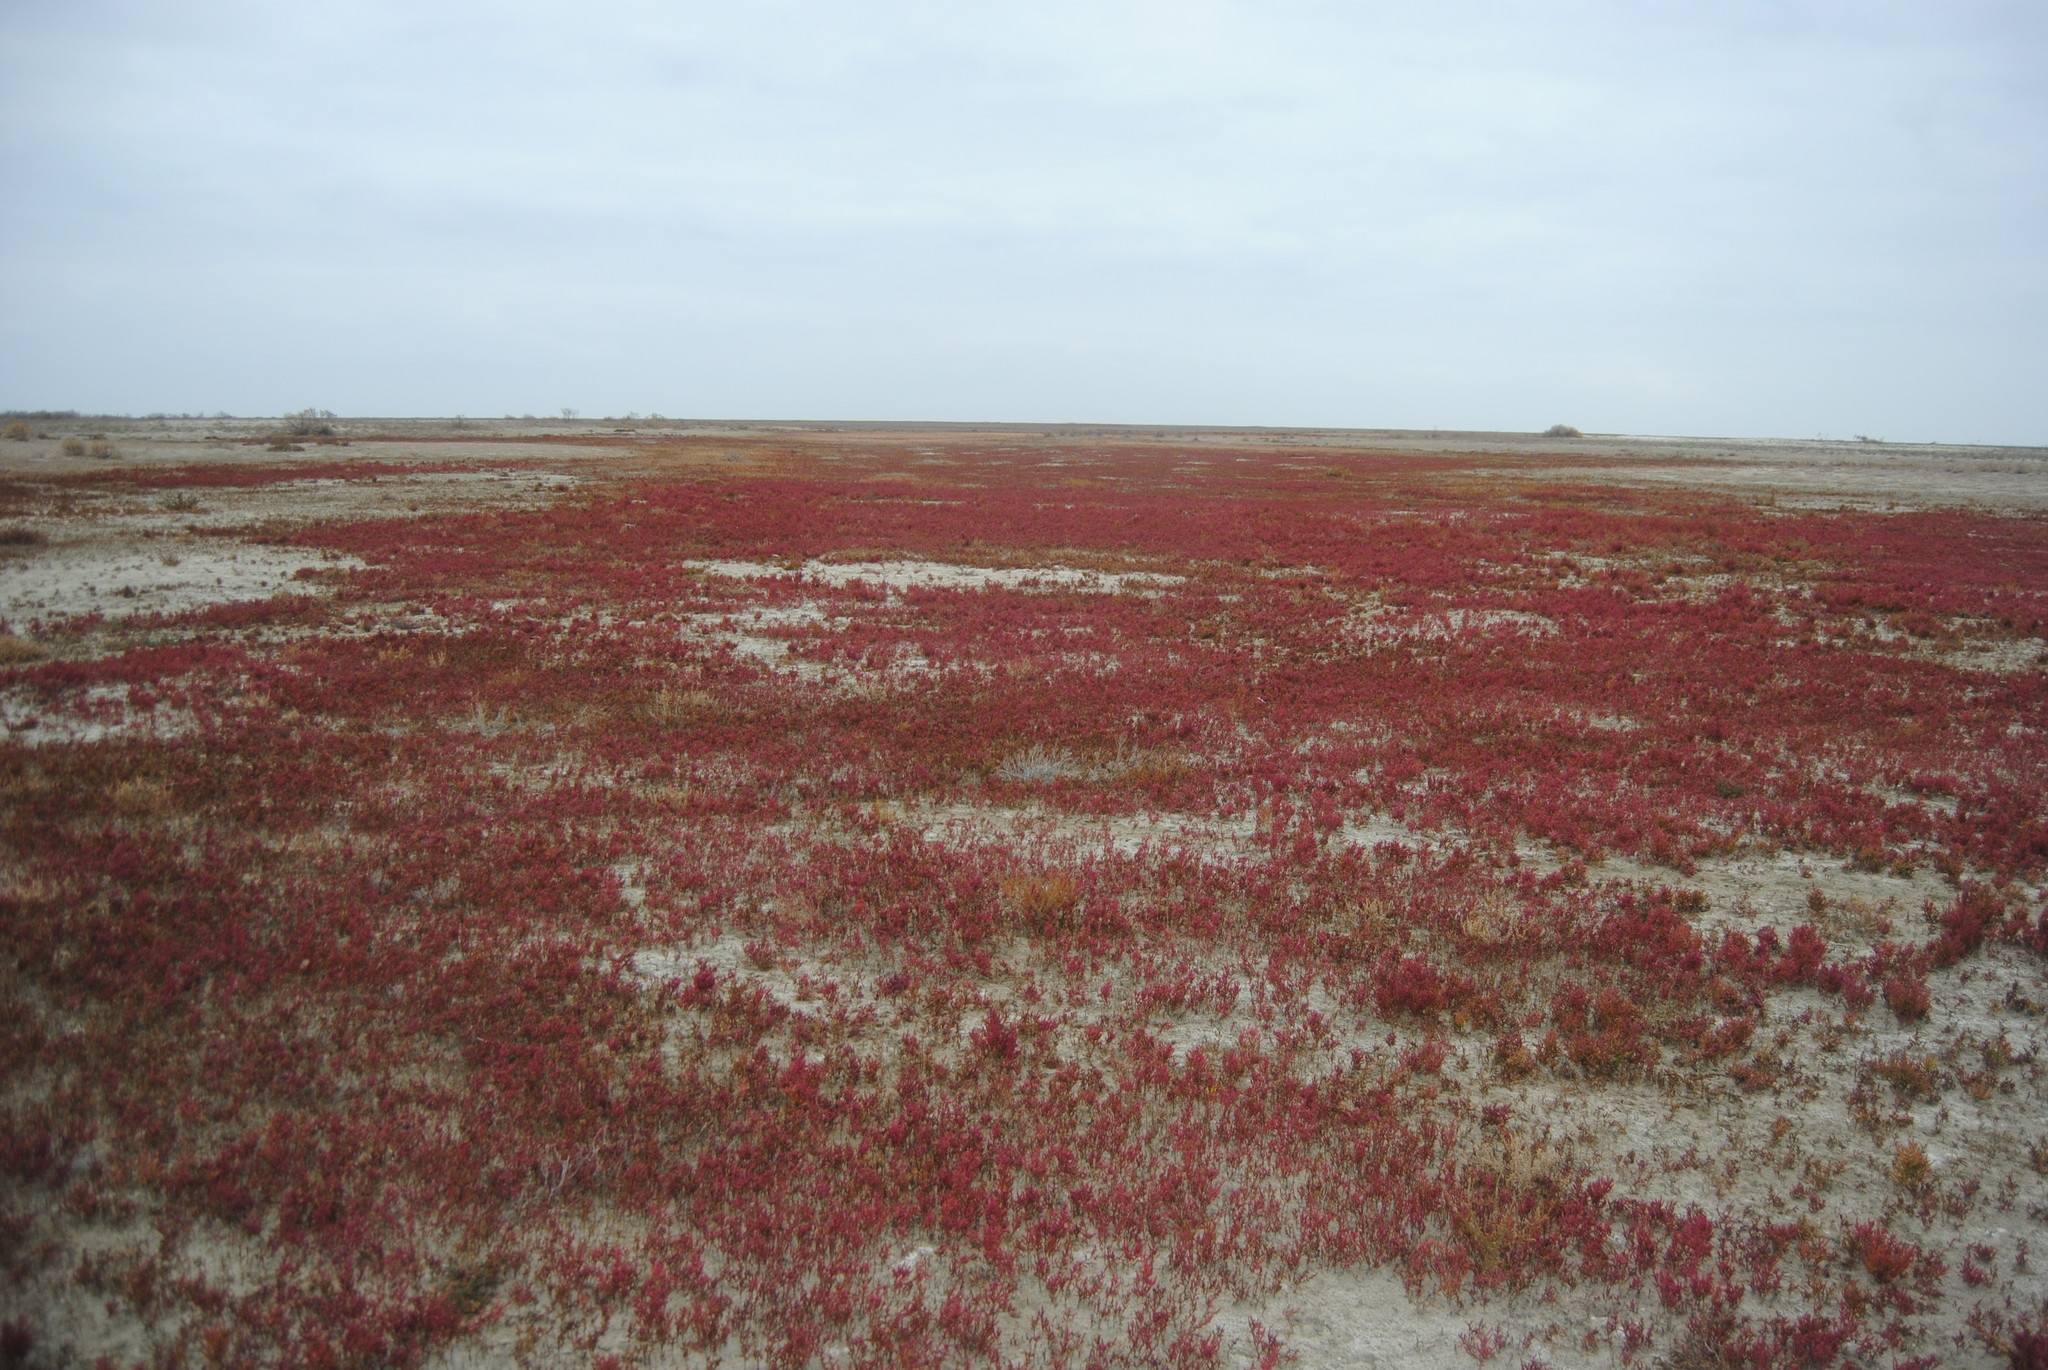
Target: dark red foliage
(1907, 995)
(1883, 1256)
(2029, 1350)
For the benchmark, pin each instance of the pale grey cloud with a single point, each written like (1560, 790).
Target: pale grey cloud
(1739, 218)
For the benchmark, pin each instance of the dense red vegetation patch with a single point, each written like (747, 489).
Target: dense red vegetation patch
(396, 974)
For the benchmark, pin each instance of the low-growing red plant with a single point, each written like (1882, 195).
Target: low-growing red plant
(1907, 996)
(1883, 1256)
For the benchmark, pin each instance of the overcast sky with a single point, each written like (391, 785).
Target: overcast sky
(1743, 218)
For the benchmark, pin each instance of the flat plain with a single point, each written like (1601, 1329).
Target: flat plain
(658, 893)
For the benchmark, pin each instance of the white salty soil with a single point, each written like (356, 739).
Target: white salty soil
(119, 578)
(123, 553)
(95, 715)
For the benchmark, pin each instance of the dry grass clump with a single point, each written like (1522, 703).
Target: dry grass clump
(1854, 916)
(1706, 1347)
(17, 431)
(1493, 921)
(1910, 1167)
(1039, 763)
(1912, 1077)
(1042, 764)
(1148, 768)
(19, 651)
(142, 798)
(1043, 903)
(72, 447)
(672, 707)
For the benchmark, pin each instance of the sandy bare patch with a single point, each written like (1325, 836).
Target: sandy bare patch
(117, 578)
(96, 715)
(1384, 627)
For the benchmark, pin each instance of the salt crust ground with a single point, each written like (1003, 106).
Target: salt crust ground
(117, 580)
(117, 556)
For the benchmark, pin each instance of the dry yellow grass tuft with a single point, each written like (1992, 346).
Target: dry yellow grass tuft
(141, 798)
(681, 706)
(1910, 1167)
(1046, 903)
